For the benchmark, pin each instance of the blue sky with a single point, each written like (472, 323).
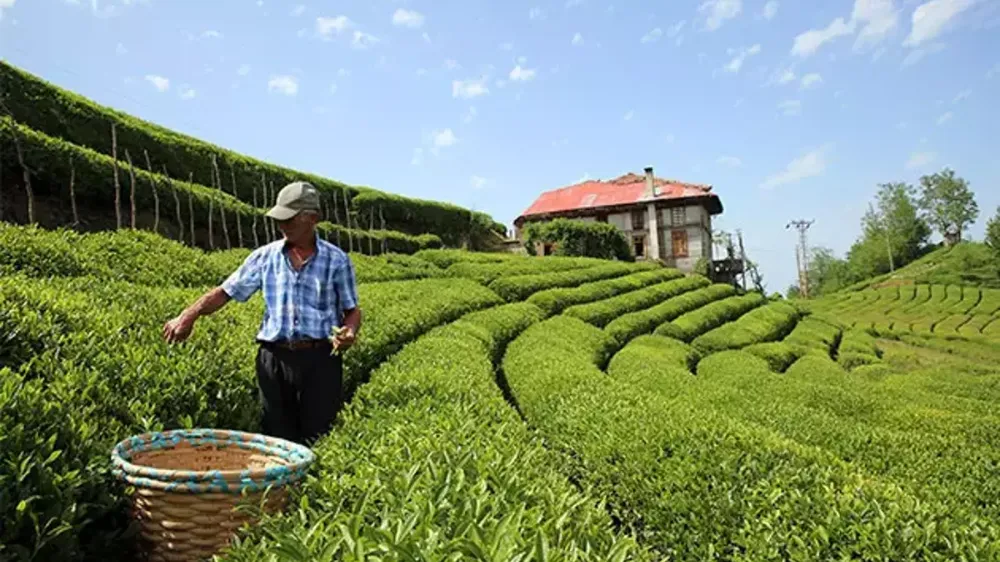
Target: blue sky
(790, 109)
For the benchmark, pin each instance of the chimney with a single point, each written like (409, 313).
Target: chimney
(650, 191)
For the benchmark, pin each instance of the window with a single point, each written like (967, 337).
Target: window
(679, 239)
(678, 216)
(603, 217)
(639, 246)
(638, 219)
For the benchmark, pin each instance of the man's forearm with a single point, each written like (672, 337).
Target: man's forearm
(207, 304)
(352, 319)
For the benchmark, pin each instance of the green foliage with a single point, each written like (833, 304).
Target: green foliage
(602, 312)
(992, 238)
(579, 238)
(554, 301)
(433, 464)
(766, 323)
(59, 113)
(948, 202)
(520, 287)
(630, 325)
(692, 324)
(779, 354)
(648, 445)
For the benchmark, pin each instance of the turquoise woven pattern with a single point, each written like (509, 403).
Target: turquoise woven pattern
(295, 458)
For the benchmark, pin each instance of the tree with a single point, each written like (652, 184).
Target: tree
(895, 222)
(948, 203)
(827, 273)
(579, 238)
(993, 236)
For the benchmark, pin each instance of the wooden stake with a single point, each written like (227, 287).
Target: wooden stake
(131, 175)
(239, 227)
(114, 166)
(336, 219)
(347, 217)
(191, 207)
(217, 184)
(274, 227)
(385, 241)
(26, 175)
(371, 227)
(1, 180)
(156, 196)
(72, 192)
(177, 205)
(253, 226)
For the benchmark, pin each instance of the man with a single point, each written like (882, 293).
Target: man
(312, 311)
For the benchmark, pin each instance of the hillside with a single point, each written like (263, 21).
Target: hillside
(507, 407)
(965, 263)
(66, 139)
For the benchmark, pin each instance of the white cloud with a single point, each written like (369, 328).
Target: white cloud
(418, 157)
(470, 115)
(298, 10)
(519, 74)
(810, 41)
(811, 79)
(880, 17)
(536, 14)
(343, 73)
(918, 54)
(5, 4)
(740, 57)
(407, 18)
(187, 93)
(469, 88)
(329, 26)
(363, 40)
(160, 83)
(718, 11)
(770, 10)
(730, 161)
(961, 96)
(669, 138)
(809, 165)
(577, 39)
(507, 46)
(994, 71)
(674, 31)
(478, 182)
(790, 108)
(451, 64)
(443, 138)
(333, 88)
(573, 3)
(119, 48)
(211, 34)
(426, 37)
(243, 70)
(920, 160)
(652, 36)
(945, 118)
(932, 18)
(629, 115)
(283, 84)
(786, 77)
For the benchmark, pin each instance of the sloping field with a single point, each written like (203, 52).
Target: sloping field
(514, 408)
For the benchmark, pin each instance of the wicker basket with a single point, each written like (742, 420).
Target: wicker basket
(188, 482)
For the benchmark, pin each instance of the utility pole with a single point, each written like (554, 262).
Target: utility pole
(802, 263)
(743, 259)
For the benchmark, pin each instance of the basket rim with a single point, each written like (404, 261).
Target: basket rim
(298, 456)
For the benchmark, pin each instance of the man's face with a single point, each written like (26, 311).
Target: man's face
(298, 228)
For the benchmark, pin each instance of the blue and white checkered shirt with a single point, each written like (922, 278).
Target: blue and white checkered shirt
(304, 304)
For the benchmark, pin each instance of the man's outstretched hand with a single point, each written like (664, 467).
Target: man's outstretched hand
(178, 329)
(343, 339)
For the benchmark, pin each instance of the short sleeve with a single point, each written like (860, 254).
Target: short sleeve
(346, 284)
(245, 281)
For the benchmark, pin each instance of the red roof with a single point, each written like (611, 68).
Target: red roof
(624, 190)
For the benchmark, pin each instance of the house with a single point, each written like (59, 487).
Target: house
(664, 219)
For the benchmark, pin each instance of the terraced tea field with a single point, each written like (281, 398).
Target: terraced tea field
(510, 408)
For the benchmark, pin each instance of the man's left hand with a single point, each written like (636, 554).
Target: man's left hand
(344, 339)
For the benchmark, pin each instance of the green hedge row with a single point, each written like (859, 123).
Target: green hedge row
(628, 326)
(857, 348)
(692, 324)
(50, 159)
(650, 456)
(520, 287)
(446, 257)
(486, 273)
(602, 312)
(554, 301)
(767, 323)
(674, 357)
(142, 257)
(60, 113)
(815, 333)
(433, 464)
(780, 355)
(84, 365)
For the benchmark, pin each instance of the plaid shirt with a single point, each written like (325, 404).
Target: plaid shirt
(304, 304)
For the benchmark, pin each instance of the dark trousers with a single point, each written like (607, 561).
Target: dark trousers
(301, 391)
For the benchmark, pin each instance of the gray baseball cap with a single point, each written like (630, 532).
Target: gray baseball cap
(294, 197)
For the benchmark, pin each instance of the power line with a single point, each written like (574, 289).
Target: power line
(801, 254)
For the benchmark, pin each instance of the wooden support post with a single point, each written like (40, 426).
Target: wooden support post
(253, 226)
(239, 224)
(177, 205)
(347, 218)
(191, 207)
(371, 228)
(156, 196)
(72, 192)
(131, 175)
(114, 166)
(217, 184)
(385, 240)
(25, 175)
